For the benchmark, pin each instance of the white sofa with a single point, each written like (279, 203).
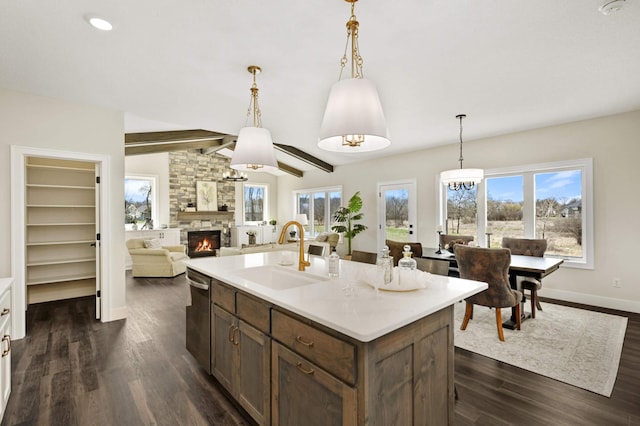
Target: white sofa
(231, 251)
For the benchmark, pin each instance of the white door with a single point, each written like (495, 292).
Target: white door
(97, 244)
(397, 212)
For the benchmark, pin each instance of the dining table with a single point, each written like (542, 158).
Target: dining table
(523, 266)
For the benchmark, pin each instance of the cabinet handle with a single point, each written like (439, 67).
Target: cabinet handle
(4, 312)
(6, 338)
(235, 340)
(302, 341)
(231, 331)
(304, 370)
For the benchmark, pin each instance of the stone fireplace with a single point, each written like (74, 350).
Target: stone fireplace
(203, 243)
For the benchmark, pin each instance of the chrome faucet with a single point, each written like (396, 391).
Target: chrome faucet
(301, 262)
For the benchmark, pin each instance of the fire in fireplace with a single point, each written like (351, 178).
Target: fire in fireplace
(203, 243)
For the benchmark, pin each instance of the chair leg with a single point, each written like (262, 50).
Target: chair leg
(499, 324)
(468, 312)
(533, 303)
(518, 317)
(538, 301)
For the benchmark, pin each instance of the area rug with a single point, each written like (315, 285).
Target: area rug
(571, 345)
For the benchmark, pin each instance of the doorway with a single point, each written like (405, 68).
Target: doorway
(57, 199)
(397, 211)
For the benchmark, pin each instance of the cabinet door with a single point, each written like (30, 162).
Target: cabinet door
(254, 384)
(5, 364)
(223, 335)
(304, 394)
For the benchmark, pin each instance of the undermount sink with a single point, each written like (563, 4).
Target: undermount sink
(279, 278)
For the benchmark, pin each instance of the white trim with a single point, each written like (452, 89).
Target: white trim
(18, 178)
(265, 208)
(119, 313)
(527, 171)
(590, 299)
(412, 208)
(155, 212)
(327, 190)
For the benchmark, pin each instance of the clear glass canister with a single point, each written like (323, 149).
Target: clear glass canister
(407, 262)
(385, 264)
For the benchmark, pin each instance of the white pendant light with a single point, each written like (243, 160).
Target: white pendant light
(458, 179)
(353, 119)
(254, 148)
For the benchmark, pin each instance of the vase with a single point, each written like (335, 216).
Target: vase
(252, 240)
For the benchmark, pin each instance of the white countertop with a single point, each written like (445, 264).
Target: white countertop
(363, 314)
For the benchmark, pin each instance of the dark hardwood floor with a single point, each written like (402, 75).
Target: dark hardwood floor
(74, 370)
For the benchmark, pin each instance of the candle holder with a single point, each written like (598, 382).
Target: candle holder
(439, 248)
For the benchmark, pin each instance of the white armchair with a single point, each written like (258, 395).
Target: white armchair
(150, 259)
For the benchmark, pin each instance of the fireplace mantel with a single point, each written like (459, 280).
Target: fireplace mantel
(188, 216)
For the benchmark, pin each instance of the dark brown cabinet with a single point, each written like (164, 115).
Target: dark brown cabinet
(240, 360)
(285, 369)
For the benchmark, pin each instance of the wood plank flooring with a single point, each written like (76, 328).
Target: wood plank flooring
(74, 370)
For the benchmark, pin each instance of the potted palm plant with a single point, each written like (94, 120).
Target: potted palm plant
(345, 218)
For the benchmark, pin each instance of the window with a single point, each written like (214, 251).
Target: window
(255, 203)
(551, 201)
(319, 205)
(140, 206)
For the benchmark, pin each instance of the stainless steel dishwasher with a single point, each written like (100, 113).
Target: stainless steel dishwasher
(199, 318)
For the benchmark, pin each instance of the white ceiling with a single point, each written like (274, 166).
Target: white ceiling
(509, 65)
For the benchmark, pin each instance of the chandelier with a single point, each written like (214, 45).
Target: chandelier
(353, 119)
(254, 147)
(234, 176)
(458, 179)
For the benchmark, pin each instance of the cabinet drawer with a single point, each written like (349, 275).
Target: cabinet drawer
(223, 296)
(5, 304)
(254, 312)
(330, 353)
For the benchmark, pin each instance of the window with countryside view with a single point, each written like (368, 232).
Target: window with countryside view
(319, 205)
(255, 205)
(549, 201)
(139, 202)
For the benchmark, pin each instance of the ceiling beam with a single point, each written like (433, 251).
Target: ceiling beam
(173, 140)
(291, 170)
(170, 136)
(303, 156)
(180, 140)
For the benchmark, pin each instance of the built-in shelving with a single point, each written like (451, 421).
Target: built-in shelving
(60, 229)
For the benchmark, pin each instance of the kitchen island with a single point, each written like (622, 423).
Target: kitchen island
(296, 348)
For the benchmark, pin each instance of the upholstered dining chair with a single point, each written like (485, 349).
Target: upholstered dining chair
(397, 247)
(490, 266)
(433, 266)
(363, 256)
(528, 247)
(445, 239)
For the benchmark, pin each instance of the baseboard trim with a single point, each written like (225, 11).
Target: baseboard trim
(593, 300)
(118, 314)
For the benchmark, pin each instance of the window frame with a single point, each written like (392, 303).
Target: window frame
(528, 173)
(311, 229)
(154, 196)
(265, 207)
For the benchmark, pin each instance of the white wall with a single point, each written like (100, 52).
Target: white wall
(153, 165)
(611, 141)
(33, 121)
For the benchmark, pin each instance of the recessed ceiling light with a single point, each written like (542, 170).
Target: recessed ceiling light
(98, 22)
(612, 6)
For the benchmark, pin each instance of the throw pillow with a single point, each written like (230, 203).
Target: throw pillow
(322, 237)
(153, 244)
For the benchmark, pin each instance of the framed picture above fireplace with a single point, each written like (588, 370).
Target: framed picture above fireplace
(207, 196)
